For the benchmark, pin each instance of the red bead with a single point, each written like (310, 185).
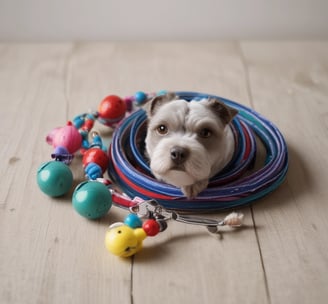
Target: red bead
(96, 155)
(111, 109)
(88, 125)
(151, 227)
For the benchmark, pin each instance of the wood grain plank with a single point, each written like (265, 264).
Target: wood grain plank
(48, 253)
(289, 84)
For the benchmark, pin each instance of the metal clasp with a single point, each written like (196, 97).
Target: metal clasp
(152, 209)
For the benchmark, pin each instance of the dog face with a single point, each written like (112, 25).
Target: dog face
(188, 142)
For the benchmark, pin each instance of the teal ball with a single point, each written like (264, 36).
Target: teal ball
(92, 199)
(54, 178)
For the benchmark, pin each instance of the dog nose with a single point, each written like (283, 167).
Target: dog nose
(179, 154)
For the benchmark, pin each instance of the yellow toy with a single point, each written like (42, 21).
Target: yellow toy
(123, 240)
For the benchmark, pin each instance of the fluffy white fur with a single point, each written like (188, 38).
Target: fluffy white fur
(186, 123)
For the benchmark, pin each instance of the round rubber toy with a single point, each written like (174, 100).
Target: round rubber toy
(54, 178)
(92, 199)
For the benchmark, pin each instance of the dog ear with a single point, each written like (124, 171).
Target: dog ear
(154, 104)
(224, 112)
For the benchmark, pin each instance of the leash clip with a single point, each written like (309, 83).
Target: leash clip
(152, 209)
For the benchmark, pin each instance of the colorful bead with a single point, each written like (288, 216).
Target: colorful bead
(88, 125)
(132, 220)
(92, 199)
(129, 103)
(93, 171)
(140, 97)
(54, 178)
(68, 137)
(96, 155)
(59, 150)
(61, 154)
(151, 227)
(111, 110)
(162, 92)
(96, 141)
(78, 121)
(85, 146)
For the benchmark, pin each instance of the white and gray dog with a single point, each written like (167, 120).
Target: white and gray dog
(188, 142)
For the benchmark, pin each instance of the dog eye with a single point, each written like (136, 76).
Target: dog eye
(205, 133)
(162, 129)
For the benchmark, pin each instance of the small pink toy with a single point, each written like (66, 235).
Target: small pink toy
(68, 137)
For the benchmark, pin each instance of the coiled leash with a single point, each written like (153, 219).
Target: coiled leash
(231, 188)
(151, 202)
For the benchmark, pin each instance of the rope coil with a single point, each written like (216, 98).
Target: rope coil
(232, 187)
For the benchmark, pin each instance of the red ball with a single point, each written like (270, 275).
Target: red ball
(111, 109)
(151, 227)
(96, 155)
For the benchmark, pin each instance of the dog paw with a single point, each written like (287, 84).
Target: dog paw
(192, 191)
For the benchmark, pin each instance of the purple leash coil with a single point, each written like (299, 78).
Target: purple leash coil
(236, 185)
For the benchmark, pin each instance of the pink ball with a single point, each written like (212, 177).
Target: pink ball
(51, 135)
(68, 137)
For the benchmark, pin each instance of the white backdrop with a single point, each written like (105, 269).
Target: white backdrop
(57, 20)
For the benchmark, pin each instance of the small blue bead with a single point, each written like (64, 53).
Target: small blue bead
(60, 150)
(93, 171)
(140, 97)
(90, 116)
(162, 92)
(133, 221)
(78, 122)
(96, 142)
(85, 144)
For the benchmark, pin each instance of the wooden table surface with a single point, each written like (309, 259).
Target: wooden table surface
(50, 254)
